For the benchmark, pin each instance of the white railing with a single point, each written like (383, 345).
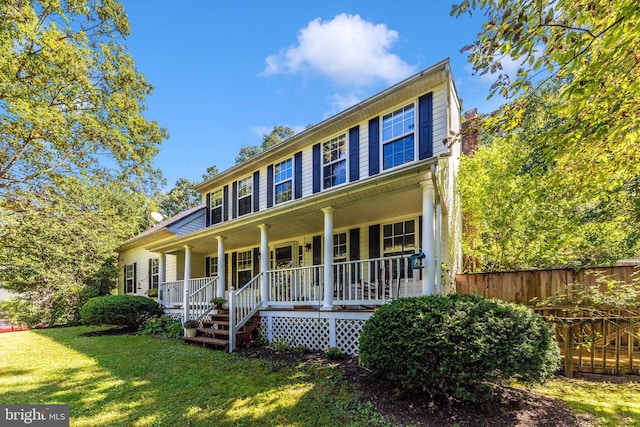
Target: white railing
(171, 294)
(203, 290)
(296, 286)
(375, 281)
(243, 304)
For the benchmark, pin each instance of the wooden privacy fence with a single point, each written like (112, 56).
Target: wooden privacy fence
(524, 286)
(594, 340)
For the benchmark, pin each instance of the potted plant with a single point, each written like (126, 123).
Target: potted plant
(153, 293)
(190, 328)
(217, 303)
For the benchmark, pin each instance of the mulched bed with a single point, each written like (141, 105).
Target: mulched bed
(513, 406)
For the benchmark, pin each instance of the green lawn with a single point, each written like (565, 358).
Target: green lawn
(144, 381)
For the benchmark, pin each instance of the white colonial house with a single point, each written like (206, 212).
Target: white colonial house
(307, 238)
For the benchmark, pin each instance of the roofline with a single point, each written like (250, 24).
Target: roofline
(250, 164)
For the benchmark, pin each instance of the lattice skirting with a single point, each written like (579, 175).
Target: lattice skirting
(318, 332)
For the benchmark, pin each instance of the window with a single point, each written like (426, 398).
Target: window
(340, 247)
(130, 278)
(213, 266)
(283, 181)
(398, 236)
(334, 161)
(245, 268)
(155, 273)
(244, 196)
(398, 137)
(216, 207)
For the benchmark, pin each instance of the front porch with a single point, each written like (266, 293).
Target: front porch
(299, 304)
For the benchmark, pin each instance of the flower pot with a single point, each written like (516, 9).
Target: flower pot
(190, 332)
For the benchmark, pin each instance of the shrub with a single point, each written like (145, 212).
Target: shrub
(123, 310)
(163, 326)
(334, 353)
(456, 346)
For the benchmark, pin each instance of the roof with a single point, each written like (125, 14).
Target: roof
(162, 226)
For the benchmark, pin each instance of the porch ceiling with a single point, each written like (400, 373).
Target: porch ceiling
(371, 200)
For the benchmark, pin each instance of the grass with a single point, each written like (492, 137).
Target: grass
(127, 380)
(144, 381)
(611, 404)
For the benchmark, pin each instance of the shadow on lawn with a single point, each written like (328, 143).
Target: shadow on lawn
(149, 381)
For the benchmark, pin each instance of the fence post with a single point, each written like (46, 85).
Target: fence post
(568, 350)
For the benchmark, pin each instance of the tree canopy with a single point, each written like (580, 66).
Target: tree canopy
(276, 136)
(592, 47)
(75, 149)
(555, 181)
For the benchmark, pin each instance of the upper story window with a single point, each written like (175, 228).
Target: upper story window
(216, 207)
(245, 189)
(334, 161)
(283, 181)
(398, 145)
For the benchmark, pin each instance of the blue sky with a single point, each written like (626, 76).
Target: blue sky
(226, 73)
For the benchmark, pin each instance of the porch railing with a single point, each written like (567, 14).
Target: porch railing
(296, 286)
(199, 299)
(171, 294)
(243, 304)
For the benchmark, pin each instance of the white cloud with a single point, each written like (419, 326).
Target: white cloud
(347, 49)
(342, 102)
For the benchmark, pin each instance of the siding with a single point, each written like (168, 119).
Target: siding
(141, 257)
(194, 223)
(440, 123)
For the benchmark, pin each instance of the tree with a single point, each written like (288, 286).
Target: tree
(276, 136)
(75, 150)
(71, 98)
(519, 216)
(210, 172)
(589, 45)
(182, 196)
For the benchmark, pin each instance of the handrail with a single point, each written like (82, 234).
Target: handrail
(199, 300)
(243, 305)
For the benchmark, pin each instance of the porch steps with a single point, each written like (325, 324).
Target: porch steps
(215, 333)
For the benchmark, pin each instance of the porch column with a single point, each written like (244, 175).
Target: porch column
(221, 268)
(187, 278)
(328, 258)
(428, 238)
(264, 263)
(162, 261)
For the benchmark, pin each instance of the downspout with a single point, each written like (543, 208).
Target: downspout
(438, 231)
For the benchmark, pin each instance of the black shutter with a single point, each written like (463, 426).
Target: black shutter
(256, 258)
(317, 250)
(135, 277)
(207, 215)
(150, 272)
(124, 279)
(354, 244)
(207, 267)
(256, 191)
(374, 146)
(234, 200)
(297, 177)
(425, 123)
(226, 270)
(354, 252)
(269, 186)
(234, 268)
(374, 241)
(420, 232)
(316, 168)
(225, 204)
(354, 154)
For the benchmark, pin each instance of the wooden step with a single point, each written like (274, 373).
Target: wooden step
(216, 322)
(204, 340)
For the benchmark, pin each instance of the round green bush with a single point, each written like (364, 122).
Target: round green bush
(124, 310)
(456, 346)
